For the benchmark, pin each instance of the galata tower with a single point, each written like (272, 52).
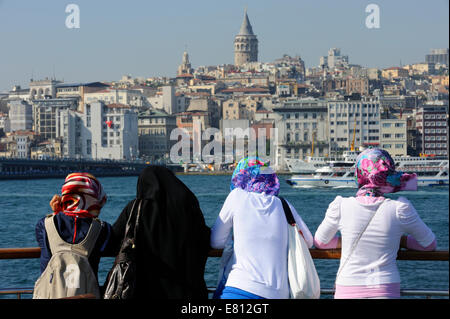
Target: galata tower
(245, 44)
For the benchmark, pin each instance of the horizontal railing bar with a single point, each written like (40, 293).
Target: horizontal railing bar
(439, 255)
(14, 292)
(323, 291)
(423, 292)
(403, 292)
(20, 253)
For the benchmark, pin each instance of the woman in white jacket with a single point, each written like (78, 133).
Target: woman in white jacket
(254, 215)
(372, 229)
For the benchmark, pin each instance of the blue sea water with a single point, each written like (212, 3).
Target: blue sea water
(24, 202)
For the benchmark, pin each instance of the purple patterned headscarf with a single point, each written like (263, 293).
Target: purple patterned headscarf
(375, 174)
(253, 175)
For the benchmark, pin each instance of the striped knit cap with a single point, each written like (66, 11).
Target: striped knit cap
(81, 194)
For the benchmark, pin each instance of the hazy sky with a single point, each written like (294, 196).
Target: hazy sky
(147, 38)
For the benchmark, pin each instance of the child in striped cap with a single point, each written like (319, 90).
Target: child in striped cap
(82, 198)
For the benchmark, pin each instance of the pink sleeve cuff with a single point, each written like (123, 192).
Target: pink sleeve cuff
(411, 243)
(332, 244)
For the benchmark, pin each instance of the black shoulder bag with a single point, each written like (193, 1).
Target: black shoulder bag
(121, 280)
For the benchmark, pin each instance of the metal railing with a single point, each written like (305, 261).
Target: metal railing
(440, 255)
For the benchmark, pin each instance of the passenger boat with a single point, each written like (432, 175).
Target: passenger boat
(312, 163)
(430, 172)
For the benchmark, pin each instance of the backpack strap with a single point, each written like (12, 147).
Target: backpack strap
(84, 248)
(55, 241)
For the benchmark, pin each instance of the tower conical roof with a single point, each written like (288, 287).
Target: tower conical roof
(246, 27)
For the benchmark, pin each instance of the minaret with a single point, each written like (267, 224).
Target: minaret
(185, 66)
(245, 43)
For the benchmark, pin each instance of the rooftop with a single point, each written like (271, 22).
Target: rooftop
(246, 27)
(118, 106)
(91, 84)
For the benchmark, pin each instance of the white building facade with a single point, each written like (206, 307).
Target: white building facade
(354, 122)
(393, 136)
(20, 115)
(302, 129)
(103, 131)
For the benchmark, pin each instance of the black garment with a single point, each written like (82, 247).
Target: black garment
(172, 238)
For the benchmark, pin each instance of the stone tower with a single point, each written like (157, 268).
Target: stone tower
(185, 67)
(245, 44)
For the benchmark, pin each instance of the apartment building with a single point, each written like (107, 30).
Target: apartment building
(18, 144)
(154, 129)
(393, 136)
(353, 122)
(432, 126)
(238, 109)
(103, 131)
(130, 97)
(20, 115)
(302, 128)
(46, 115)
(394, 73)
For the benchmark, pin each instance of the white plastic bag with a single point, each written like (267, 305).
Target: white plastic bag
(304, 282)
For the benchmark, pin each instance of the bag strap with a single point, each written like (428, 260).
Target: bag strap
(133, 221)
(287, 212)
(356, 241)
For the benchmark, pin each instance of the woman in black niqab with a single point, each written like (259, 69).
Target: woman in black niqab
(172, 238)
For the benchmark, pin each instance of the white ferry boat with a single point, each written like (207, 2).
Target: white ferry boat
(312, 163)
(430, 172)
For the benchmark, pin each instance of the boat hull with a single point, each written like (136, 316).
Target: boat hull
(312, 181)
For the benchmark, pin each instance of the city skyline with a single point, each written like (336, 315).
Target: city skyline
(148, 39)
